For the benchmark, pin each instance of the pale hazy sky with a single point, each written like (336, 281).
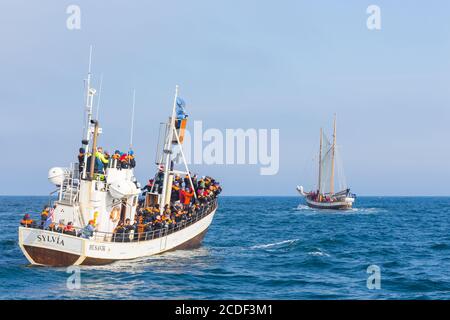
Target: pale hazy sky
(287, 65)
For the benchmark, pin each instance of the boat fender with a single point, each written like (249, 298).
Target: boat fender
(115, 214)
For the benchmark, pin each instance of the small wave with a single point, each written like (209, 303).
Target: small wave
(8, 242)
(280, 243)
(318, 253)
(303, 207)
(366, 210)
(440, 246)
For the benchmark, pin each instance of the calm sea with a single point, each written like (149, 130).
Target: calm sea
(263, 248)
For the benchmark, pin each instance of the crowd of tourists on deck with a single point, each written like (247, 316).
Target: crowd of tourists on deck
(190, 197)
(103, 160)
(46, 223)
(188, 201)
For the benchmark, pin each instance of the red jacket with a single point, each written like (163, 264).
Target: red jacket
(182, 195)
(186, 197)
(123, 157)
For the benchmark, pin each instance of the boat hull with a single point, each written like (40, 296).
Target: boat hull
(336, 205)
(48, 248)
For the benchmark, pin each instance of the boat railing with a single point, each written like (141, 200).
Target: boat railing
(137, 237)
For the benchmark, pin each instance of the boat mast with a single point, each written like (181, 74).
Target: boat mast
(94, 149)
(99, 96)
(90, 92)
(168, 151)
(333, 151)
(320, 164)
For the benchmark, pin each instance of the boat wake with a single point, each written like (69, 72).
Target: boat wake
(304, 209)
(172, 259)
(366, 210)
(284, 243)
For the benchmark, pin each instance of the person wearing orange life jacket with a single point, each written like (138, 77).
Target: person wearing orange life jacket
(148, 228)
(186, 197)
(156, 209)
(157, 224)
(124, 161)
(44, 216)
(181, 193)
(166, 210)
(116, 159)
(51, 227)
(140, 226)
(27, 221)
(69, 229)
(175, 195)
(131, 159)
(88, 230)
(61, 226)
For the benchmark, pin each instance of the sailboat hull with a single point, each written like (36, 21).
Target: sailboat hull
(336, 205)
(342, 203)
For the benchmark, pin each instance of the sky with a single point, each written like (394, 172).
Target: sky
(287, 65)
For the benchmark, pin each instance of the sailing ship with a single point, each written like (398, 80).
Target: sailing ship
(109, 199)
(325, 197)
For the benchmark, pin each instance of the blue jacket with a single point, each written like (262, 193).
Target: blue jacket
(87, 231)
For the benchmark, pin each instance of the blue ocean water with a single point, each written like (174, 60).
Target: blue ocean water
(263, 248)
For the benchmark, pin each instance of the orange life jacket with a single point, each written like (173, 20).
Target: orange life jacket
(188, 196)
(26, 222)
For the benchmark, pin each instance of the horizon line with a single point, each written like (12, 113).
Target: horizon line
(255, 195)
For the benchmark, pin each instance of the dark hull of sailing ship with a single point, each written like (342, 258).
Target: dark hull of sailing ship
(340, 201)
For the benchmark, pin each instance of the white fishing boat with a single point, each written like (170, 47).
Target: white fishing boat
(106, 200)
(325, 197)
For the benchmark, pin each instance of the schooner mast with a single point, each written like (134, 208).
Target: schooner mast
(320, 164)
(333, 150)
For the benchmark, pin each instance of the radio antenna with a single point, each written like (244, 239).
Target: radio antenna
(132, 118)
(99, 96)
